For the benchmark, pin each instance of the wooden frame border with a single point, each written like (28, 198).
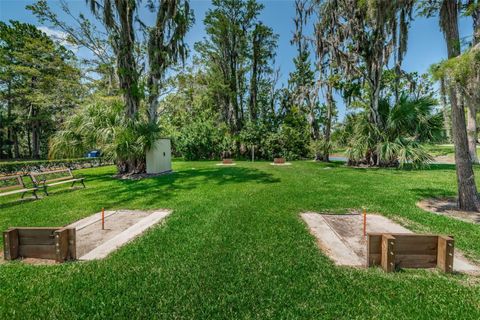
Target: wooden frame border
(42, 242)
(404, 250)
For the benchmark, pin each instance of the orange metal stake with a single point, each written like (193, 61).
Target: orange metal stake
(364, 222)
(103, 218)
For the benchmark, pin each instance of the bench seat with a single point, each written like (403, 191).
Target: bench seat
(40, 179)
(17, 191)
(61, 182)
(13, 184)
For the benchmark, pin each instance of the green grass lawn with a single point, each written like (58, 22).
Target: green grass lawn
(235, 248)
(440, 149)
(434, 150)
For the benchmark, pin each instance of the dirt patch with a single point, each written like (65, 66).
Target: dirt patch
(449, 159)
(448, 207)
(139, 176)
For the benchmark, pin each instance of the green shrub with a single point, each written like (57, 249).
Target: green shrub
(203, 139)
(24, 167)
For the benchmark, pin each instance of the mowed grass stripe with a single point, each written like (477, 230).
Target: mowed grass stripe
(235, 248)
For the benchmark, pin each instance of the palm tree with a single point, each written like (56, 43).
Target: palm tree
(405, 125)
(101, 125)
(165, 47)
(360, 38)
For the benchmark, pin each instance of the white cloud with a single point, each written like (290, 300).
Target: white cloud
(59, 36)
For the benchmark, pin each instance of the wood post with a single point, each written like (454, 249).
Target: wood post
(445, 253)
(72, 243)
(388, 253)
(10, 244)
(61, 245)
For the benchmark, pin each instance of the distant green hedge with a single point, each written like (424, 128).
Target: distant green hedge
(25, 167)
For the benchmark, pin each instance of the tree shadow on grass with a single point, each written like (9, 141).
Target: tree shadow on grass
(405, 168)
(439, 166)
(166, 187)
(16, 202)
(432, 193)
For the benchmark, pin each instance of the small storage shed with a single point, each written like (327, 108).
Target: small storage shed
(159, 157)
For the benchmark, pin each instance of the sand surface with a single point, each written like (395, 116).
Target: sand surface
(448, 207)
(91, 235)
(341, 238)
(120, 227)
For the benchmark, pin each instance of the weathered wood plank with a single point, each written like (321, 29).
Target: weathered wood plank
(445, 253)
(72, 243)
(10, 244)
(415, 244)
(43, 236)
(51, 172)
(415, 260)
(17, 183)
(373, 249)
(37, 251)
(61, 245)
(388, 252)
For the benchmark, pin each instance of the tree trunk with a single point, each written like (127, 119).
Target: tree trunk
(373, 158)
(467, 189)
(1, 142)
(252, 105)
(328, 124)
(446, 116)
(36, 140)
(29, 144)
(472, 130)
(128, 74)
(315, 132)
(16, 149)
(472, 95)
(374, 113)
(131, 166)
(127, 69)
(476, 22)
(9, 121)
(153, 84)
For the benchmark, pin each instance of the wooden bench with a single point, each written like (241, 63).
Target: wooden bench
(57, 244)
(61, 176)
(404, 250)
(14, 184)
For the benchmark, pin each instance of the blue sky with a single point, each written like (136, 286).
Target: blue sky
(426, 43)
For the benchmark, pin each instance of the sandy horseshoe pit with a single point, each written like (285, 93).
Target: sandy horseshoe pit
(83, 240)
(120, 227)
(341, 238)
